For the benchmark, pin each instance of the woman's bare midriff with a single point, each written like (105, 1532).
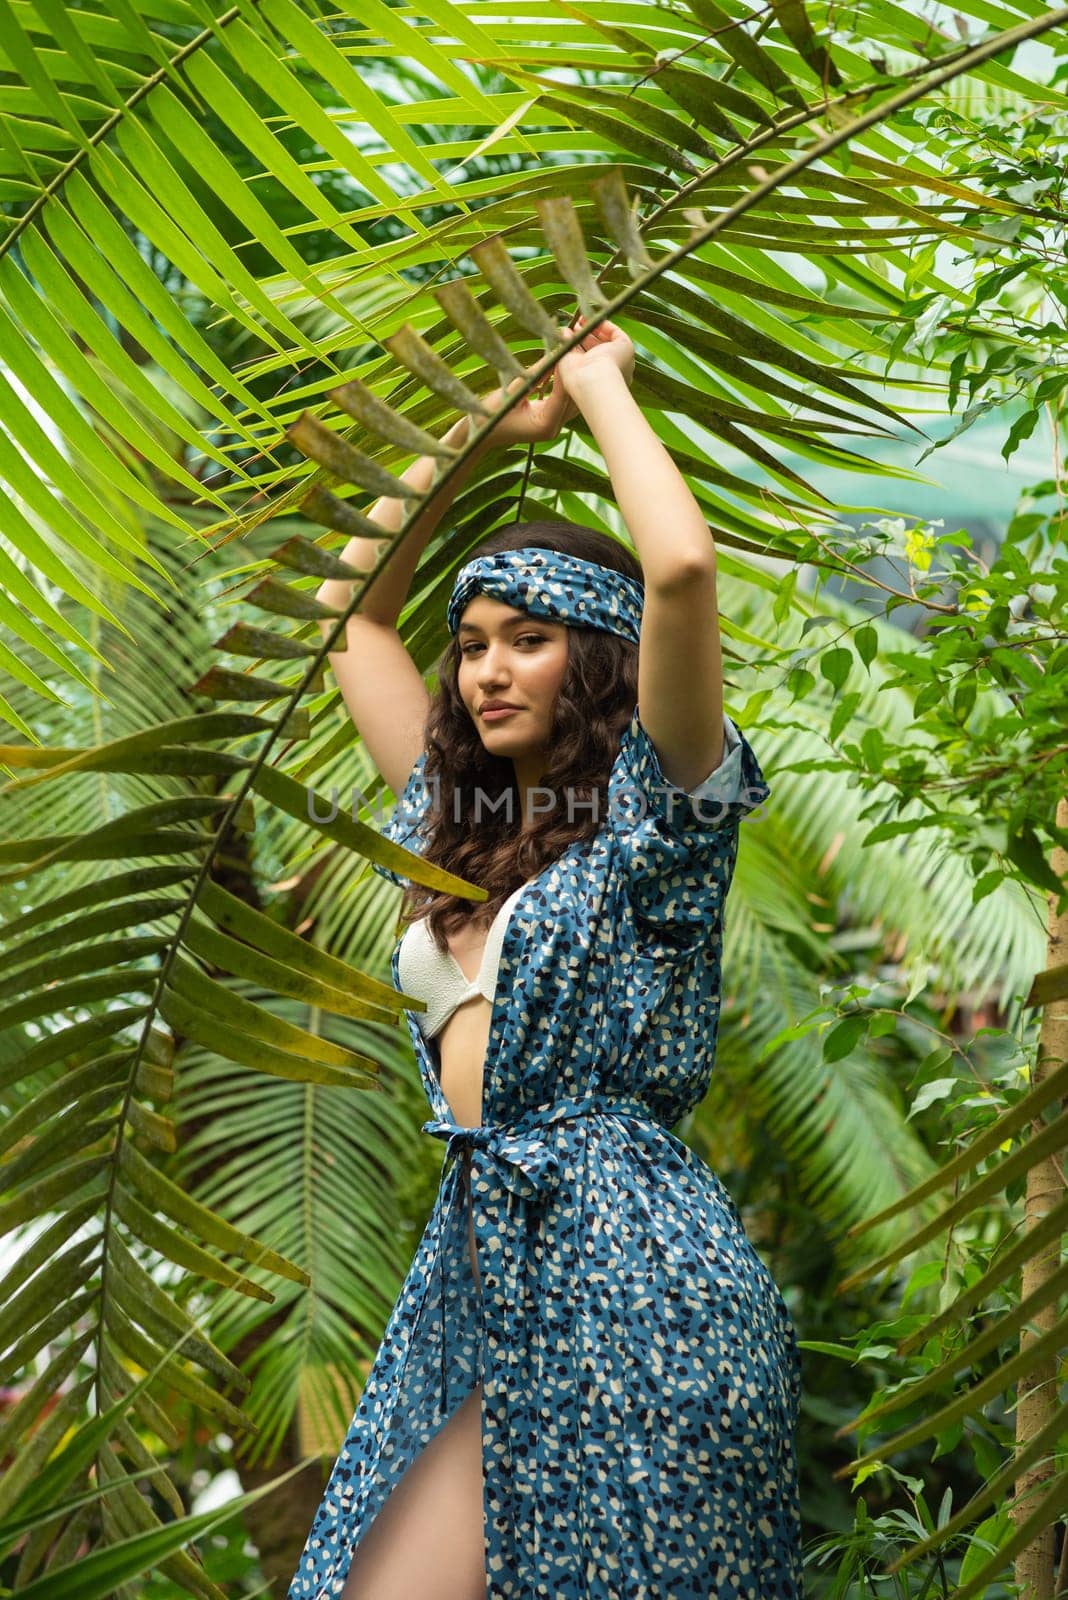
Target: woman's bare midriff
(462, 1045)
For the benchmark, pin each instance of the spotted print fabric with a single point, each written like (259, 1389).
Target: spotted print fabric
(639, 1366)
(552, 583)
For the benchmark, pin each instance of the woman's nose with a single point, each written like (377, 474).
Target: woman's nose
(490, 666)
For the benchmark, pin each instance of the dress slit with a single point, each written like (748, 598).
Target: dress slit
(440, 1536)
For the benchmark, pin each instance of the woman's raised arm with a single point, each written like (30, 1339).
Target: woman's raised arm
(379, 682)
(680, 672)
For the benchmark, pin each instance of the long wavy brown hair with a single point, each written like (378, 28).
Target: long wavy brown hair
(595, 702)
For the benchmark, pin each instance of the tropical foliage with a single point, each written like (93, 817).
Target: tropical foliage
(225, 238)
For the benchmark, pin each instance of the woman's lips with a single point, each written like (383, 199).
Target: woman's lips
(501, 711)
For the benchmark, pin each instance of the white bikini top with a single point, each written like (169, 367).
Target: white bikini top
(438, 978)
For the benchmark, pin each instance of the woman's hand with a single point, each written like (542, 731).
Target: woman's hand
(534, 419)
(537, 419)
(607, 346)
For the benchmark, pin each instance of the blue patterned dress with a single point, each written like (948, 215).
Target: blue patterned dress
(639, 1366)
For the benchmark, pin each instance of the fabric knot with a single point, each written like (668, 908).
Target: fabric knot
(525, 1163)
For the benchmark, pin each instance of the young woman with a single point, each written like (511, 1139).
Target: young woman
(588, 1388)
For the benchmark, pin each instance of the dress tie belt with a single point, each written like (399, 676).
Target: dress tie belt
(522, 1158)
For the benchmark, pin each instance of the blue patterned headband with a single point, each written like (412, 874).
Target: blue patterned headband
(549, 584)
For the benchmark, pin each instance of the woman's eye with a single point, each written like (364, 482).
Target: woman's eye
(525, 638)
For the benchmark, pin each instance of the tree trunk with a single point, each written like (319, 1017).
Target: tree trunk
(1037, 1394)
(279, 1524)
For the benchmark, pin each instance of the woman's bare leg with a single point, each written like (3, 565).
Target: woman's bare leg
(428, 1540)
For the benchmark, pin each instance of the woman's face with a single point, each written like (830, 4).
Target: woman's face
(507, 654)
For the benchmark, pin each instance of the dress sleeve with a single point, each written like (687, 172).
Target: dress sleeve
(405, 826)
(677, 846)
